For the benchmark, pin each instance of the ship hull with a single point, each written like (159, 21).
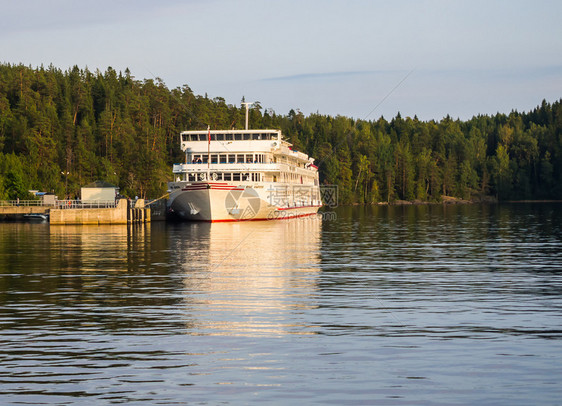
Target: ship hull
(224, 202)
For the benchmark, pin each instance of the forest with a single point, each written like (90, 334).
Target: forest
(60, 130)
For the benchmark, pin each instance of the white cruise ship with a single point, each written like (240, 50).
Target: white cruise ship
(239, 175)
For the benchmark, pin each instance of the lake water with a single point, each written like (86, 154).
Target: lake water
(433, 305)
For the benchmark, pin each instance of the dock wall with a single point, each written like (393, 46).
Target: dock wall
(139, 213)
(17, 213)
(5, 210)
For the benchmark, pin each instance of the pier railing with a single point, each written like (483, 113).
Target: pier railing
(16, 203)
(61, 204)
(78, 204)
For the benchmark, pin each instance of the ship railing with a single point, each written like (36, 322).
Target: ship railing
(238, 166)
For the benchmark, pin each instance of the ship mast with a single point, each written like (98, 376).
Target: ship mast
(208, 153)
(247, 109)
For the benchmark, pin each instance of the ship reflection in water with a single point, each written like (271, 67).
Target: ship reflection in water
(250, 278)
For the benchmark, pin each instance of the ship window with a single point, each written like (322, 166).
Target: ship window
(229, 137)
(202, 137)
(227, 176)
(237, 137)
(256, 136)
(214, 159)
(235, 176)
(231, 158)
(247, 137)
(197, 159)
(248, 158)
(184, 137)
(223, 158)
(240, 158)
(220, 137)
(205, 159)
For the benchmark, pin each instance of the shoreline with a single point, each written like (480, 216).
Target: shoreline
(449, 200)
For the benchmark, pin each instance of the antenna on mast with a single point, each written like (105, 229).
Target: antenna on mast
(247, 109)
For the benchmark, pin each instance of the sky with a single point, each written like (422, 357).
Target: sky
(357, 58)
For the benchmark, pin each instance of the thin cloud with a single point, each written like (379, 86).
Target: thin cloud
(326, 75)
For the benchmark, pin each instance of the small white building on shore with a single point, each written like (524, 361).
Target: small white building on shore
(99, 191)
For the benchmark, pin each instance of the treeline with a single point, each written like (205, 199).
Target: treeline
(515, 156)
(60, 130)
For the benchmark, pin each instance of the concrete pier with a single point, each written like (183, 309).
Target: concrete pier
(77, 213)
(14, 210)
(121, 214)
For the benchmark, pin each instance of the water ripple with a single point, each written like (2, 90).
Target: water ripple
(385, 305)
